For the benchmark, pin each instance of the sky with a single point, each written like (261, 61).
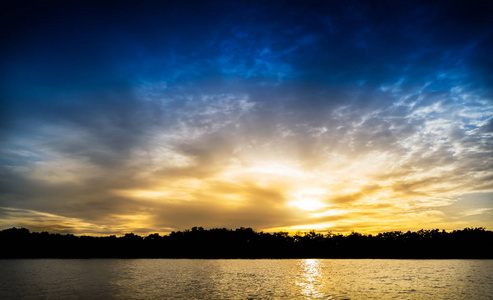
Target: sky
(157, 116)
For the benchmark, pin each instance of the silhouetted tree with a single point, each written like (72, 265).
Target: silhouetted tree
(246, 243)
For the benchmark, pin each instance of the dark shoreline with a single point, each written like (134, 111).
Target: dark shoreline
(241, 258)
(244, 243)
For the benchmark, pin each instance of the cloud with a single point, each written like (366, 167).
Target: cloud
(169, 119)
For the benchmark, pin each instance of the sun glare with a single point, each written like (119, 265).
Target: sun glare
(309, 200)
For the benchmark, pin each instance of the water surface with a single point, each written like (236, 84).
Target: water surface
(245, 279)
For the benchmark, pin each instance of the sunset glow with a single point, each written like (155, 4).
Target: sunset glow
(276, 116)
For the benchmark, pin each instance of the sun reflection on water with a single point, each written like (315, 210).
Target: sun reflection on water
(310, 279)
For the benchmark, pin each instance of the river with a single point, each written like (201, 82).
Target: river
(245, 279)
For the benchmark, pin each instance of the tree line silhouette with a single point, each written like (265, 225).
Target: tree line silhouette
(247, 243)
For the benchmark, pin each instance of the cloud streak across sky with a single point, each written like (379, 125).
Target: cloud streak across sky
(291, 115)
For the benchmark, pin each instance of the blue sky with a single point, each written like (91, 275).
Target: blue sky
(120, 116)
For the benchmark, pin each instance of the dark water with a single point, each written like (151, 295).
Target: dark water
(245, 279)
